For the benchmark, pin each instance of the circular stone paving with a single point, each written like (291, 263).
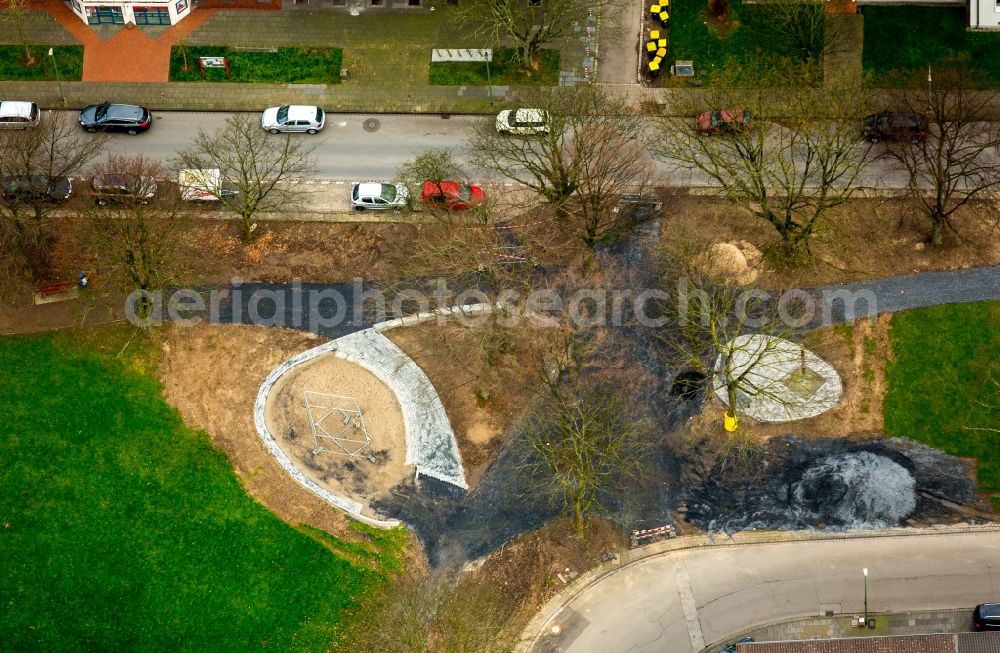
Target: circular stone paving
(782, 381)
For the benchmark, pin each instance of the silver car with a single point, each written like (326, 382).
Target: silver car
(523, 122)
(378, 197)
(293, 118)
(15, 114)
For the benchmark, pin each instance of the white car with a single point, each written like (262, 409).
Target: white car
(523, 122)
(293, 118)
(15, 114)
(378, 197)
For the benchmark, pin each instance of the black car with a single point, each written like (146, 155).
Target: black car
(28, 189)
(115, 117)
(986, 616)
(732, 647)
(895, 126)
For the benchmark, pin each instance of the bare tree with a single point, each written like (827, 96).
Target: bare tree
(788, 173)
(35, 163)
(262, 168)
(611, 166)
(14, 14)
(591, 151)
(531, 24)
(435, 165)
(139, 239)
(581, 441)
(955, 167)
(709, 320)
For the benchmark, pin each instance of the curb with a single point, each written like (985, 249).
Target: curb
(351, 508)
(535, 629)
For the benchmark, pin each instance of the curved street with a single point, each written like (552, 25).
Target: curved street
(683, 601)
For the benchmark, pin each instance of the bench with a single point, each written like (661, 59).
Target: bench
(56, 292)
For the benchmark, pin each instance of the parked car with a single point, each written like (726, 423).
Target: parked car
(378, 197)
(732, 647)
(895, 126)
(293, 118)
(116, 117)
(28, 189)
(986, 616)
(523, 122)
(724, 121)
(15, 114)
(122, 187)
(452, 195)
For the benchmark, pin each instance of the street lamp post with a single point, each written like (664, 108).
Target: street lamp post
(62, 96)
(865, 571)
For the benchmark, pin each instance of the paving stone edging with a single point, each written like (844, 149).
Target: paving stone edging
(352, 508)
(535, 629)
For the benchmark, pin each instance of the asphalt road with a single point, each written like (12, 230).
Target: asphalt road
(345, 149)
(684, 601)
(349, 152)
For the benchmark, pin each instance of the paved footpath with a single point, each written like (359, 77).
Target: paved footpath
(685, 600)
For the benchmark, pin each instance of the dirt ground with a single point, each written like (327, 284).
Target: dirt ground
(211, 252)
(526, 571)
(211, 374)
(479, 409)
(359, 478)
(859, 353)
(863, 239)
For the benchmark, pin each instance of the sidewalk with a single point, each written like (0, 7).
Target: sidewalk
(908, 623)
(386, 55)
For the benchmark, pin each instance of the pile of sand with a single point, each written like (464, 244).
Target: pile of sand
(734, 262)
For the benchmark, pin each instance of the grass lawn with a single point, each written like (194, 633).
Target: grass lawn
(286, 66)
(68, 58)
(751, 38)
(901, 41)
(122, 529)
(504, 71)
(939, 383)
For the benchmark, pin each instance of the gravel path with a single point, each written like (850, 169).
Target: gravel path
(845, 302)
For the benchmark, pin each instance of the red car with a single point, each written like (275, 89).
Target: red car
(452, 195)
(723, 120)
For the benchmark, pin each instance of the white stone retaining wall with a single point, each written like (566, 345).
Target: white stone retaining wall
(433, 450)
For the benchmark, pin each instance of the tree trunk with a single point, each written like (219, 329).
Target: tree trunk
(937, 232)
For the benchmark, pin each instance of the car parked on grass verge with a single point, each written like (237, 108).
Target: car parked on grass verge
(986, 616)
(523, 122)
(15, 114)
(378, 196)
(899, 126)
(28, 189)
(293, 118)
(724, 121)
(116, 117)
(122, 187)
(451, 195)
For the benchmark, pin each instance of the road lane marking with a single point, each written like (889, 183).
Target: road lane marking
(689, 606)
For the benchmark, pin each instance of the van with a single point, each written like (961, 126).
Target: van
(986, 616)
(18, 115)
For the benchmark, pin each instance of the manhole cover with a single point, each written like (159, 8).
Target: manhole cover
(372, 125)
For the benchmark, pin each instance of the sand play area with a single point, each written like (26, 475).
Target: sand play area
(376, 467)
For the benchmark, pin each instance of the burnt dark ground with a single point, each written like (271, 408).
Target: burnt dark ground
(456, 527)
(803, 484)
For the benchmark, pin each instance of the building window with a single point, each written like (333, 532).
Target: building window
(416, 3)
(378, 3)
(105, 15)
(151, 15)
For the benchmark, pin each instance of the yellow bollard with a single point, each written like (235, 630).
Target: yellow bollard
(729, 422)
